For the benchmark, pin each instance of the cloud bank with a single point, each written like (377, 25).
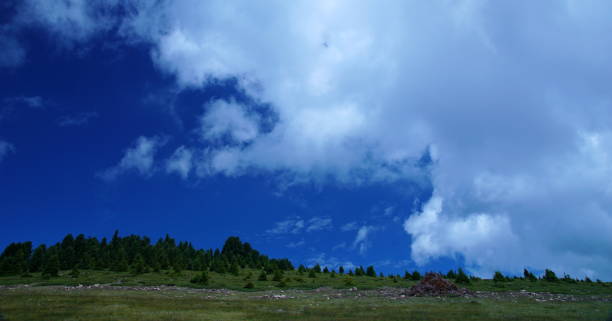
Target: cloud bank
(510, 99)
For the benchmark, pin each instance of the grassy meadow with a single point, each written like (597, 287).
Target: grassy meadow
(292, 280)
(124, 296)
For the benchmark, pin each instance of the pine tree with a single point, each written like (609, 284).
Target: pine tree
(234, 269)
(451, 274)
(301, 269)
(38, 258)
(326, 270)
(341, 270)
(370, 271)
(498, 277)
(550, 276)
(529, 276)
(121, 262)
(461, 277)
(312, 274)
(138, 266)
(51, 268)
(317, 268)
(416, 276)
(407, 275)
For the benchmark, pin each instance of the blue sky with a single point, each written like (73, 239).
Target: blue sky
(417, 136)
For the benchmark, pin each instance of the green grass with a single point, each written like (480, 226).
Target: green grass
(56, 303)
(295, 281)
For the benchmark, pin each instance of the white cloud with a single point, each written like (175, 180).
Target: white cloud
(295, 225)
(230, 120)
(434, 235)
(339, 246)
(330, 262)
(139, 158)
(35, 102)
(5, 149)
(511, 97)
(295, 244)
(181, 162)
(79, 119)
(288, 226)
(350, 226)
(361, 241)
(319, 224)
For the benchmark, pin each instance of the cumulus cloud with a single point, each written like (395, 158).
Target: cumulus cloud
(5, 149)
(510, 99)
(228, 120)
(139, 158)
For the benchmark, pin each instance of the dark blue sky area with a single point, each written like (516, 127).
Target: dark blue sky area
(49, 185)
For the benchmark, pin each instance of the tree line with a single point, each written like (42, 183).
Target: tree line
(132, 253)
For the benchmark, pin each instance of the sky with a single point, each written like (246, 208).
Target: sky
(423, 135)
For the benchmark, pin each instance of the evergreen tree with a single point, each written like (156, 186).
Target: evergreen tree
(359, 271)
(451, 274)
(341, 270)
(301, 269)
(51, 268)
(461, 277)
(416, 276)
(529, 276)
(317, 268)
(326, 270)
(332, 274)
(121, 261)
(370, 271)
(498, 277)
(38, 258)
(138, 266)
(234, 269)
(312, 274)
(407, 275)
(550, 276)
